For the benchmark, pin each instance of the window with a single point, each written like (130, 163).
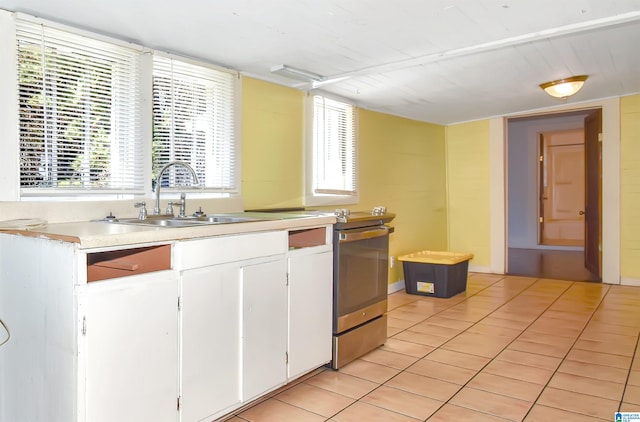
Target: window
(193, 122)
(332, 153)
(79, 102)
(84, 130)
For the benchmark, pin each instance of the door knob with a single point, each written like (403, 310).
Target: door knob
(581, 212)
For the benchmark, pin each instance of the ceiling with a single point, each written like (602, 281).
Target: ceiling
(439, 61)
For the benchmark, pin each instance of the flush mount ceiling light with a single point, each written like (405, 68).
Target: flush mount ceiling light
(298, 74)
(563, 88)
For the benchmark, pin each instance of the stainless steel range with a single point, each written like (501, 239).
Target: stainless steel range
(360, 265)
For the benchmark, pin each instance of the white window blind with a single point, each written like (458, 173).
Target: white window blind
(194, 122)
(334, 148)
(79, 113)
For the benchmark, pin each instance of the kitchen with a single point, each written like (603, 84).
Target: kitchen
(414, 163)
(408, 165)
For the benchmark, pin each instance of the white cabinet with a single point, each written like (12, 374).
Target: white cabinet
(264, 327)
(131, 330)
(38, 365)
(250, 303)
(187, 331)
(210, 326)
(233, 321)
(234, 335)
(104, 350)
(310, 307)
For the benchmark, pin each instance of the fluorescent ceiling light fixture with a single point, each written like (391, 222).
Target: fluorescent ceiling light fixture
(563, 88)
(298, 74)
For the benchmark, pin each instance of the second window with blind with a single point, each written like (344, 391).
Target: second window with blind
(331, 152)
(194, 122)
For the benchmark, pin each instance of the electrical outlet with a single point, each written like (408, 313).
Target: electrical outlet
(392, 261)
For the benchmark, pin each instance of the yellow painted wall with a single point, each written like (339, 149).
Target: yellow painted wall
(272, 145)
(630, 187)
(402, 167)
(467, 151)
(435, 178)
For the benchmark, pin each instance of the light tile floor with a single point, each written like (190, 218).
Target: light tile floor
(509, 348)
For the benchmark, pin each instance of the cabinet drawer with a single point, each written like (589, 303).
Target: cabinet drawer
(223, 249)
(126, 262)
(307, 238)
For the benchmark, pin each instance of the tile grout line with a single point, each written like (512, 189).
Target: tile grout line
(453, 305)
(403, 370)
(465, 330)
(626, 383)
(564, 358)
(506, 346)
(559, 296)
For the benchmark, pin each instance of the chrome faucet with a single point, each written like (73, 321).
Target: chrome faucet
(156, 208)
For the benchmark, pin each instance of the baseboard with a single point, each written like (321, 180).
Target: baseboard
(395, 287)
(479, 269)
(629, 281)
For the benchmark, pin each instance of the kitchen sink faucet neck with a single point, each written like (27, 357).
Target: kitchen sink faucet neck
(183, 205)
(156, 208)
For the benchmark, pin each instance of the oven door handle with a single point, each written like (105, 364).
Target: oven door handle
(364, 234)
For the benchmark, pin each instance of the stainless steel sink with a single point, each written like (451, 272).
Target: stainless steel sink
(170, 221)
(161, 222)
(221, 219)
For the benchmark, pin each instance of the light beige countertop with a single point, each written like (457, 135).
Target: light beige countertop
(100, 234)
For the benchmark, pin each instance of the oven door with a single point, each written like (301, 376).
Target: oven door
(360, 276)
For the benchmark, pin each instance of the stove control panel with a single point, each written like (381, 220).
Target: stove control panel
(380, 210)
(342, 213)
(345, 213)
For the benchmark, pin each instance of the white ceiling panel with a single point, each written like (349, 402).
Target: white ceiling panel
(440, 61)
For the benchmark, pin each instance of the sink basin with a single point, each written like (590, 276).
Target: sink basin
(161, 222)
(191, 221)
(221, 219)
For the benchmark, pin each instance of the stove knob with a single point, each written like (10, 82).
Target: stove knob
(379, 210)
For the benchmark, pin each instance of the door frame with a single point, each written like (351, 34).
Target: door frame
(610, 185)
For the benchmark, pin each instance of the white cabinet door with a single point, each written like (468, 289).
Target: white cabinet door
(310, 302)
(264, 327)
(132, 348)
(210, 318)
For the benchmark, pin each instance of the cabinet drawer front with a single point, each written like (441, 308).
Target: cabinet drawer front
(127, 262)
(222, 249)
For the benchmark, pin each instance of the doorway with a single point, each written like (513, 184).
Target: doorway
(546, 189)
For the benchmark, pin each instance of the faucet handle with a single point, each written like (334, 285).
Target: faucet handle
(198, 213)
(143, 210)
(170, 207)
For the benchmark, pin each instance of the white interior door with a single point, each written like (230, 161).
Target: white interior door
(563, 188)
